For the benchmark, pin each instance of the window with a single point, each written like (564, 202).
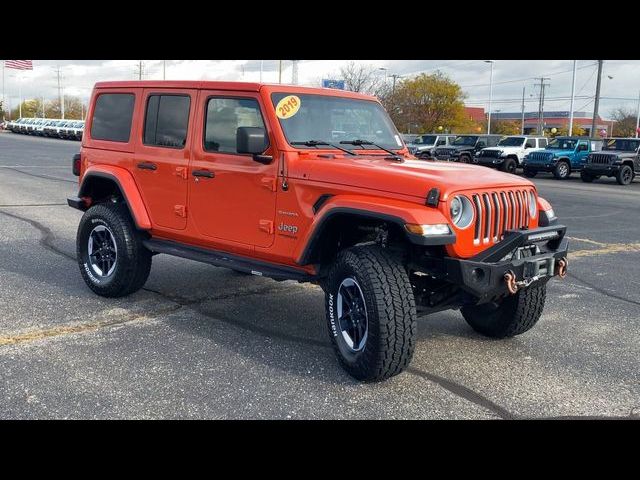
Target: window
(166, 120)
(112, 117)
(223, 118)
(531, 143)
(542, 142)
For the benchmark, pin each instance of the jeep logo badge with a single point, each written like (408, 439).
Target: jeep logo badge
(288, 228)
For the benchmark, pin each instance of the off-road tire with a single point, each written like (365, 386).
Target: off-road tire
(509, 166)
(390, 308)
(515, 315)
(133, 262)
(558, 171)
(625, 175)
(529, 173)
(586, 177)
(464, 158)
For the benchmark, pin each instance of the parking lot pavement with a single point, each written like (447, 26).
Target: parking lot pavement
(204, 342)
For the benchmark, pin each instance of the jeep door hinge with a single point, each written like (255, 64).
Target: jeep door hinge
(266, 226)
(180, 210)
(181, 172)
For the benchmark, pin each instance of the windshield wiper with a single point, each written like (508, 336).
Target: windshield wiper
(315, 143)
(360, 143)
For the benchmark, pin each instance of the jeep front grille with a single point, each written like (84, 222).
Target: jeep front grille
(497, 212)
(490, 153)
(599, 159)
(540, 156)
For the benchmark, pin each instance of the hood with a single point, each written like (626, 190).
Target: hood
(556, 151)
(410, 177)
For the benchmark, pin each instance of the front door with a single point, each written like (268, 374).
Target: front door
(162, 155)
(582, 150)
(231, 196)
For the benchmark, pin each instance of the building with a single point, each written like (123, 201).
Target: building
(555, 120)
(476, 114)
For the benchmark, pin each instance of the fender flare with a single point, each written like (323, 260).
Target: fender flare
(127, 185)
(388, 210)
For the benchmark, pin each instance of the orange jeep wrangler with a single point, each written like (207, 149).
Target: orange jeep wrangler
(314, 185)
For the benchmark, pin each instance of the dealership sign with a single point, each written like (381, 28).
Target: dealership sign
(338, 84)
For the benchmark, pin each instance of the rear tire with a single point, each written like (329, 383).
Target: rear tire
(562, 170)
(371, 313)
(625, 175)
(107, 230)
(514, 314)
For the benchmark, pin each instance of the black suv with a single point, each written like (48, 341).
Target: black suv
(464, 147)
(619, 157)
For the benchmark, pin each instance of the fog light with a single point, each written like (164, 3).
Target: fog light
(477, 275)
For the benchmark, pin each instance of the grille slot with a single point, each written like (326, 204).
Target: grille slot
(497, 212)
(599, 159)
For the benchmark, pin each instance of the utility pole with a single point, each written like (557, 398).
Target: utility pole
(573, 91)
(140, 71)
(395, 76)
(20, 97)
(522, 127)
(542, 86)
(638, 117)
(261, 67)
(280, 71)
(60, 94)
(597, 103)
(490, 96)
(43, 112)
(294, 72)
(164, 69)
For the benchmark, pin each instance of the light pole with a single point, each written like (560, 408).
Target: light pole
(573, 90)
(490, 95)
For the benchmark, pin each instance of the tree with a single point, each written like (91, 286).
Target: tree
(362, 78)
(625, 122)
(73, 108)
(577, 131)
(505, 127)
(30, 108)
(428, 102)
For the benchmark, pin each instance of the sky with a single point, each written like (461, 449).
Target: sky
(620, 78)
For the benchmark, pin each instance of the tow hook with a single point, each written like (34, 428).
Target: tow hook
(513, 286)
(563, 263)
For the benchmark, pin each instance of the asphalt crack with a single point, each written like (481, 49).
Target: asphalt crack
(602, 291)
(46, 177)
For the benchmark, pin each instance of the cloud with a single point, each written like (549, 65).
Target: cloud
(509, 76)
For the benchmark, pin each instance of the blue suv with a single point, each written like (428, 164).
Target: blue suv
(562, 156)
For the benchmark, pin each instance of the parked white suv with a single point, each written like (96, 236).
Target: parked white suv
(510, 151)
(422, 146)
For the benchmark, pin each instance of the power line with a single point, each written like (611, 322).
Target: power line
(527, 78)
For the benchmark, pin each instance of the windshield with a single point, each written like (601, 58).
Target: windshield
(426, 140)
(622, 145)
(464, 140)
(305, 117)
(511, 142)
(562, 144)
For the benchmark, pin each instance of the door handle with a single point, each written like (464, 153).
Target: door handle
(203, 173)
(147, 166)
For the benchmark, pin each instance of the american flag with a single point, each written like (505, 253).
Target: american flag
(19, 64)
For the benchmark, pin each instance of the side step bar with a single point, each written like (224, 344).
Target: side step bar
(227, 260)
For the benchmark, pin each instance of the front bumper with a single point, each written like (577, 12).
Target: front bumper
(488, 161)
(483, 276)
(602, 169)
(540, 167)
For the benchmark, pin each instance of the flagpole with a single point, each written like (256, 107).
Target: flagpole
(3, 105)
(20, 93)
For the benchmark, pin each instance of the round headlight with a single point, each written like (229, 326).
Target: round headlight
(533, 205)
(461, 211)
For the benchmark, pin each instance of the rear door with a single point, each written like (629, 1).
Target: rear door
(162, 154)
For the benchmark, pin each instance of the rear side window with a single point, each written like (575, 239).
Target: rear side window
(531, 143)
(224, 117)
(166, 120)
(112, 117)
(542, 142)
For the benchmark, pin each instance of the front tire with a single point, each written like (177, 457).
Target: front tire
(509, 165)
(371, 313)
(562, 170)
(512, 316)
(624, 175)
(112, 260)
(586, 177)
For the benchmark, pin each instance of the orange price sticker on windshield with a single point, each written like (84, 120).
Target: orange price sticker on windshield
(288, 107)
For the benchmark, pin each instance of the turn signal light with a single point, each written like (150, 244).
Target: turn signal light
(427, 230)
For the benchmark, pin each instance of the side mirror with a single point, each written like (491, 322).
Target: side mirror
(253, 141)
